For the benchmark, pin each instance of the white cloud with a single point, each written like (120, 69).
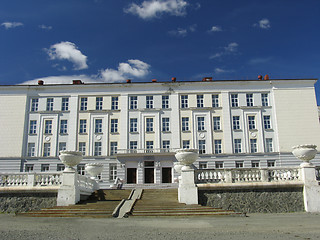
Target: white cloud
(155, 8)
(231, 48)
(221, 70)
(215, 29)
(263, 23)
(8, 25)
(182, 32)
(68, 51)
(42, 26)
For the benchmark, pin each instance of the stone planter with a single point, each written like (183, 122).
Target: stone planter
(186, 157)
(177, 167)
(94, 169)
(70, 159)
(305, 153)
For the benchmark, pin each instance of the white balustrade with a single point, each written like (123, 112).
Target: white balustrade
(30, 179)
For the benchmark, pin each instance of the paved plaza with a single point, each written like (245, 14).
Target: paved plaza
(255, 226)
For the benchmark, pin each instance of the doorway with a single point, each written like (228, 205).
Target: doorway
(166, 175)
(132, 175)
(149, 175)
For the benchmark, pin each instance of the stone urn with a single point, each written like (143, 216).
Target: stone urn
(177, 167)
(305, 153)
(186, 157)
(70, 159)
(94, 169)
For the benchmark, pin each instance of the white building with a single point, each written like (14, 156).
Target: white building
(134, 128)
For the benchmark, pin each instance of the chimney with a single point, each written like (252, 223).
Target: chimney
(128, 80)
(173, 79)
(260, 77)
(207, 79)
(266, 77)
(154, 80)
(40, 82)
(77, 82)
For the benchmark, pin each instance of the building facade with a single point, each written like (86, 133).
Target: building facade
(134, 128)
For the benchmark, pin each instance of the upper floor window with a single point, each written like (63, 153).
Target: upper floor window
(185, 124)
(253, 145)
(149, 101)
(186, 144)
(115, 103)
(133, 102)
(62, 146)
(249, 97)
(133, 125)
(33, 127)
(34, 104)
(113, 148)
(114, 126)
(49, 104)
(217, 146)
(166, 145)
(234, 100)
(48, 126)
(64, 126)
(251, 122)
(266, 122)
(133, 146)
(236, 122)
(201, 124)
(83, 104)
(237, 146)
(265, 99)
(216, 123)
(83, 126)
(149, 124)
(46, 149)
(215, 100)
(97, 149)
(165, 101)
(149, 146)
(165, 124)
(31, 149)
(99, 103)
(202, 146)
(269, 145)
(82, 148)
(98, 126)
(184, 101)
(65, 104)
(200, 101)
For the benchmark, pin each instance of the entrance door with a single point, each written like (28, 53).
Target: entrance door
(149, 175)
(131, 175)
(166, 175)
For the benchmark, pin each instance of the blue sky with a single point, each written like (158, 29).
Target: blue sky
(112, 40)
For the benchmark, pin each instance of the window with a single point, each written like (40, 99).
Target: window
(112, 171)
(216, 123)
(113, 148)
(200, 101)
(249, 97)
(255, 164)
(202, 146)
(81, 168)
(46, 149)
(65, 104)
(149, 124)
(44, 167)
(115, 103)
(133, 102)
(149, 101)
(251, 122)
(165, 125)
(217, 146)
(184, 101)
(234, 100)
(60, 167)
(185, 124)
(98, 126)
(269, 145)
(99, 103)
(82, 148)
(203, 165)
(265, 99)
(49, 104)
(31, 149)
(33, 127)
(271, 163)
(133, 146)
(64, 126)
(239, 164)
(48, 126)
(149, 146)
(236, 122)
(218, 164)
(165, 101)
(34, 104)
(186, 144)
(83, 104)
(201, 124)
(266, 122)
(114, 126)
(62, 146)
(237, 145)
(28, 168)
(253, 145)
(215, 100)
(97, 149)
(166, 145)
(133, 125)
(83, 126)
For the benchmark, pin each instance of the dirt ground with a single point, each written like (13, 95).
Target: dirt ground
(256, 226)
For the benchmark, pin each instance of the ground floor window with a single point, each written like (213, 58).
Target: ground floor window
(239, 164)
(255, 164)
(203, 165)
(44, 167)
(219, 164)
(81, 169)
(60, 167)
(112, 171)
(28, 168)
(271, 163)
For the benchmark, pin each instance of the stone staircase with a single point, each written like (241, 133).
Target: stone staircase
(100, 204)
(164, 203)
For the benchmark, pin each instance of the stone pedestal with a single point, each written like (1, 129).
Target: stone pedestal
(187, 191)
(69, 193)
